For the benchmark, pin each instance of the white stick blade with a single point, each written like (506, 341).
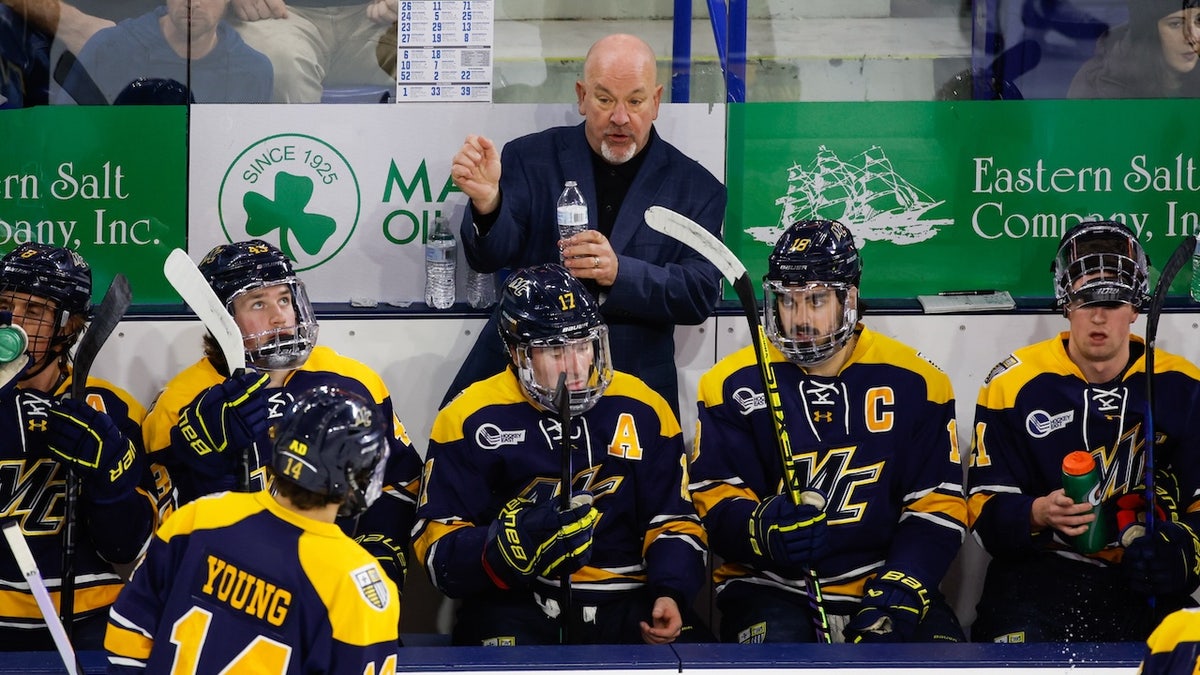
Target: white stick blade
(29, 569)
(688, 232)
(191, 285)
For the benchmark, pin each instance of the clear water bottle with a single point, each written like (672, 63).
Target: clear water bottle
(441, 255)
(572, 212)
(481, 289)
(1195, 286)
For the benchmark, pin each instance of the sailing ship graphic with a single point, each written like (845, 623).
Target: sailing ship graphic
(865, 194)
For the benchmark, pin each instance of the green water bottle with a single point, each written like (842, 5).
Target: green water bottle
(1081, 482)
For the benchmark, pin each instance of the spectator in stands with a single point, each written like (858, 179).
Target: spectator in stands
(315, 44)
(1152, 56)
(1085, 389)
(646, 283)
(185, 40)
(24, 62)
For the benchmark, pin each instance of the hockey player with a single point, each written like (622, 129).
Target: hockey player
(872, 432)
(1084, 389)
(489, 529)
(206, 418)
(1174, 646)
(262, 583)
(48, 292)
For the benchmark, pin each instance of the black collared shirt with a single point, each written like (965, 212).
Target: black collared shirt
(612, 184)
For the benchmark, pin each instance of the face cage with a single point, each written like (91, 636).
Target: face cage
(42, 351)
(282, 348)
(807, 350)
(600, 372)
(359, 495)
(1102, 279)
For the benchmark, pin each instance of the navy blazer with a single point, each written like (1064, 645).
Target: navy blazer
(660, 282)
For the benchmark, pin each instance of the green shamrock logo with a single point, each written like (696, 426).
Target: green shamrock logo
(286, 213)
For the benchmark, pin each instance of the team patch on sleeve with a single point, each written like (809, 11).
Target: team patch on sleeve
(370, 585)
(1000, 368)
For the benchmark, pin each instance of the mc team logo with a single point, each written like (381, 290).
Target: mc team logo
(295, 191)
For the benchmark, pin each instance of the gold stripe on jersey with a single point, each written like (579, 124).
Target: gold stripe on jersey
(429, 532)
(942, 506)
(708, 496)
(128, 643)
(975, 504)
(678, 527)
(19, 605)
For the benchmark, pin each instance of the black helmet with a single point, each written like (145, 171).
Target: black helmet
(51, 272)
(1100, 262)
(240, 267)
(545, 307)
(332, 442)
(811, 256)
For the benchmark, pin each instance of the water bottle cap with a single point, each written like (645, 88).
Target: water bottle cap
(1078, 463)
(12, 343)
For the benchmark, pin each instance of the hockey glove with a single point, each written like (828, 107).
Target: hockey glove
(388, 553)
(1131, 507)
(893, 604)
(788, 536)
(89, 442)
(1167, 563)
(223, 420)
(529, 540)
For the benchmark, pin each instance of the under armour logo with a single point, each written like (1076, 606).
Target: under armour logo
(37, 425)
(822, 416)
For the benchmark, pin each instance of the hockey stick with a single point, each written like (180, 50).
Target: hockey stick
(29, 569)
(191, 285)
(562, 399)
(1175, 263)
(108, 315)
(688, 232)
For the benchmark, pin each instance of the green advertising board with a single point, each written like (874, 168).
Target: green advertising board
(962, 195)
(110, 183)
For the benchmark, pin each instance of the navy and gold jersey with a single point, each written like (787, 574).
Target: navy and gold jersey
(1036, 406)
(236, 583)
(491, 444)
(34, 485)
(391, 515)
(878, 440)
(1174, 646)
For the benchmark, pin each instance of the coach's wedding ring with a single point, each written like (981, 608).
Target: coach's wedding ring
(595, 261)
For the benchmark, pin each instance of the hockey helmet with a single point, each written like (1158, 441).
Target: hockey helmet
(552, 325)
(1100, 263)
(332, 442)
(814, 263)
(244, 266)
(51, 273)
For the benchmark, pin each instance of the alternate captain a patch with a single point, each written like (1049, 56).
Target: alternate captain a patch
(370, 585)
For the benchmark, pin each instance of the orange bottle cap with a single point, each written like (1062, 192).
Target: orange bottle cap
(1078, 463)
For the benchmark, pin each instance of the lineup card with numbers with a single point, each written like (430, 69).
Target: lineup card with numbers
(444, 50)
